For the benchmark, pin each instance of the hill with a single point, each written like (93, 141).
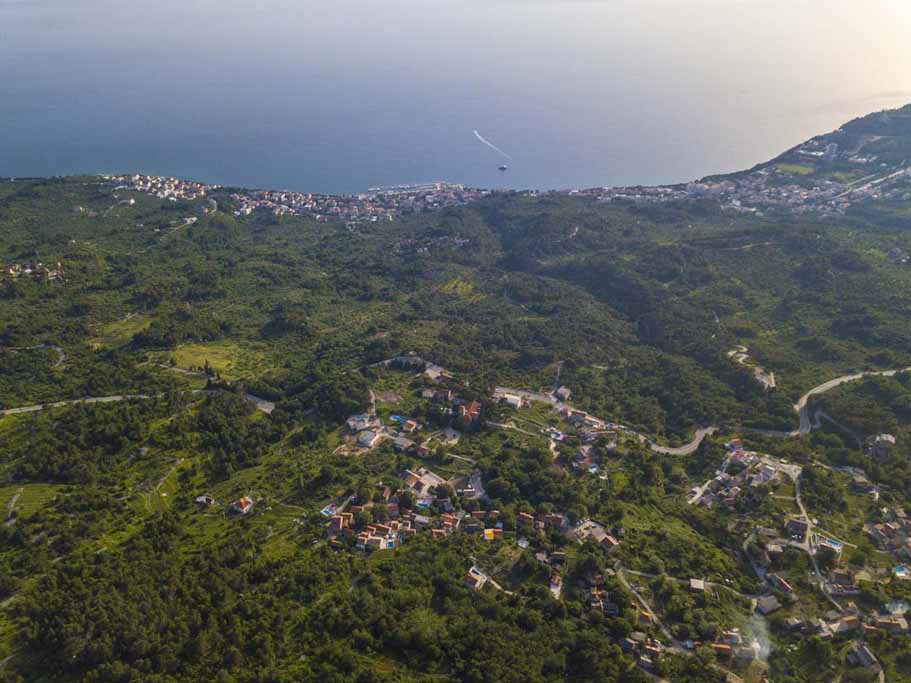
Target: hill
(245, 442)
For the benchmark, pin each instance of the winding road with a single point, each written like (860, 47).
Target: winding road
(806, 423)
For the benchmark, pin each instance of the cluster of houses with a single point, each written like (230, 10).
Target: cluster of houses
(851, 622)
(731, 644)
(36, 271)
(894, 536)
(591, 530)
(241, 506)
(376, 205)
(429, 511)
(753, 472)
(587, 457)
(171, 189)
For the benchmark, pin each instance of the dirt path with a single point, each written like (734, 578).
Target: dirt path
(12, 506)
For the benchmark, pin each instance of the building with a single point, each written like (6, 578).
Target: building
(368, 438)
(861, 655)
(881, 446)
(241, 506)
(767, 604)
(475, 579)
(563, 393)
(797, 528)
(470, 413)
(357, 423)
(402, 444)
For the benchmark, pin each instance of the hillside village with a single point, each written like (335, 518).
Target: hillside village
(420, 501)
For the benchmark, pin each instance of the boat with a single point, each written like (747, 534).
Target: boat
(503, 168)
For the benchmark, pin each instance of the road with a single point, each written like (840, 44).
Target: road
(806, 426)
(687, 449)
(874, 183)
(741, 355)
(61, 354)
(260, 403)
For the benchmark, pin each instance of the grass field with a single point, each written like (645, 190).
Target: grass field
(29, 498)
(232, 361)
(121, 332)
(796, 168)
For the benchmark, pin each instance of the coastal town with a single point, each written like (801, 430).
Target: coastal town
(822, 177)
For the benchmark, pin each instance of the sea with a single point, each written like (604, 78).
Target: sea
(345, 95)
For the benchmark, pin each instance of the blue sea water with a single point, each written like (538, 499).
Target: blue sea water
(343, 95)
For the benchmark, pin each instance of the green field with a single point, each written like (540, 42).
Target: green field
(799, 169)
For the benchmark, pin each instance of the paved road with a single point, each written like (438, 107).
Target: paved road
(806, 425)
(261, 404)
(686, 449)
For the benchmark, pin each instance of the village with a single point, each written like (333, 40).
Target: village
(777, 187)
(36, 270)
(420, 501)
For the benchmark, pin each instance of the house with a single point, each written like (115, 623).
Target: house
(797, 528)
(341, 521)
(241, 506)
(731, 637)
(860, 484)
(846, 624)
(881, 446)
(524, 518)
(205, 499)
(437, 374)
(722, 650)
(891, 624)
(842, 578)
(767, 604)
(438, 395)
(862, 656)
(556, 585)
(422, 521)
(779, 583)
(563, 393)
(553, 521)
(644, 618)
(609, 543)
(410, 426)
(697, 585)
(652, 650)
(368, 438)
(512, 400)
(451, 436)
(357, 423)
(422, 481)
(475, 579)
(774, 550)
(628, 645)
(470, 413)
(401, 444)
